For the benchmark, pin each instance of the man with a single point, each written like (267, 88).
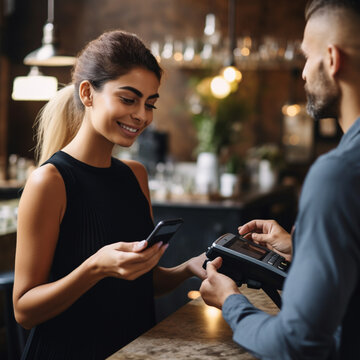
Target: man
(320, 315)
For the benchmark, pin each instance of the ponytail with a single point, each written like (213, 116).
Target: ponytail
(57, 123)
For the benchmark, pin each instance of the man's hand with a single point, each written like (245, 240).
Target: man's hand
(270, 234)
(217, 287)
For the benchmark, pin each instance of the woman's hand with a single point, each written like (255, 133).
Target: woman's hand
(126, 260)
(270, 234)
(217, 287)
(167, 279)
(194, 266)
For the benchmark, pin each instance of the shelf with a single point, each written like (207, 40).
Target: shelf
(244, 65)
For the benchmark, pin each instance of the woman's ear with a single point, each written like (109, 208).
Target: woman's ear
(85, 93)
(334, 59)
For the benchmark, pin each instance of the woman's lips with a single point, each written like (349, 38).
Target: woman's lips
(129, 130)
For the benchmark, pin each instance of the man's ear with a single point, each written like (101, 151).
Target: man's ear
(85, 93)
(334, 59)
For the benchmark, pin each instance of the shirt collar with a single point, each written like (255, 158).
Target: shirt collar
(351, 133)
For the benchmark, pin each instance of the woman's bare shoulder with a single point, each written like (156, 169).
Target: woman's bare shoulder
(138, 169)
(46, 176)
(44, 186)
(135, 165)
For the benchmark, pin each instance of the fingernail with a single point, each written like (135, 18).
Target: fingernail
(140, 245)
(159, 244)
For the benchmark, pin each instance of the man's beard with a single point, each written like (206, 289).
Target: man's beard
(325, 102)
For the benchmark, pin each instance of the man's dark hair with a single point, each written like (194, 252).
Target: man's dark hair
(314, 6)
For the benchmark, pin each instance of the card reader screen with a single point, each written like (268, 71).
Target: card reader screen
(246, 248)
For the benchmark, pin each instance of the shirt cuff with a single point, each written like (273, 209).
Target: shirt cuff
(232, 308)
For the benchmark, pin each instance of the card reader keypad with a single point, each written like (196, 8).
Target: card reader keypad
(283, 265)
(279, 262)
(273, 259)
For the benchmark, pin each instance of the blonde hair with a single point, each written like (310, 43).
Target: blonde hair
(111, 55)
(57, 123)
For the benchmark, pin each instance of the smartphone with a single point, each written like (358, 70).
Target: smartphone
(164, 231)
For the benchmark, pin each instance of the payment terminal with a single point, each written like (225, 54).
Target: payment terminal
(249, 263)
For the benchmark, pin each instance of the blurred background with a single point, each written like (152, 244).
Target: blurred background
(230, 139)
(194, 41)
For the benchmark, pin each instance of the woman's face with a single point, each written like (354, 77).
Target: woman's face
(124, 107)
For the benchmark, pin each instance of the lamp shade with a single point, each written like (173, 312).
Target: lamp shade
(35, 86)
(48, 54)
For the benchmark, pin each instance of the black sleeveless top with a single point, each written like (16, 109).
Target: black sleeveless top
(103, 206)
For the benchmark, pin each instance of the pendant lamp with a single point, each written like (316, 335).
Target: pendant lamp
(36, 86)
(49, 54)
(227, 82)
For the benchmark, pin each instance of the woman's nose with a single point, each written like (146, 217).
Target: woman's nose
(139, 114)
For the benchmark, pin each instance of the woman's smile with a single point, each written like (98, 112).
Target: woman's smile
(127, 129)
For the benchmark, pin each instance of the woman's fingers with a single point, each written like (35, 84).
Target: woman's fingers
(135, 246)
(136, 251)
(134, 268)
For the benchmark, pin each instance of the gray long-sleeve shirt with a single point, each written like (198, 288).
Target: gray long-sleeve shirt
(320, 315)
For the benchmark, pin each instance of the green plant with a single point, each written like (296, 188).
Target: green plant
(270, 152)
(205, 128)
(230, 114)
(234, 165)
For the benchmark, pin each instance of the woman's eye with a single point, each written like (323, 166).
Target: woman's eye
(127, 100)
(150, 106)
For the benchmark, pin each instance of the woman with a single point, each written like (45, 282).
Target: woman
(84, 279)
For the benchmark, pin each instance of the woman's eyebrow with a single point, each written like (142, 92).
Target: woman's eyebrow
(137, 92)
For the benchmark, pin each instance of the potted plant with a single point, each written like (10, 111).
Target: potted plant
(230, 180)
(218, 125)
(270, 161)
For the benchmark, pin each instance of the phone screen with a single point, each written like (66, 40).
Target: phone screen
(164, 231)
(247, 248)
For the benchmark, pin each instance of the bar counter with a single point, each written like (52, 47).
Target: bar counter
(195, 331)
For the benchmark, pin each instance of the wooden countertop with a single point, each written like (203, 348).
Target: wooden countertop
(196, 331)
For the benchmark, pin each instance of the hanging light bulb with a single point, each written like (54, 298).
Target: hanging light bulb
(220, 88)
(231, 74)
(229, 78)
(35, 86)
